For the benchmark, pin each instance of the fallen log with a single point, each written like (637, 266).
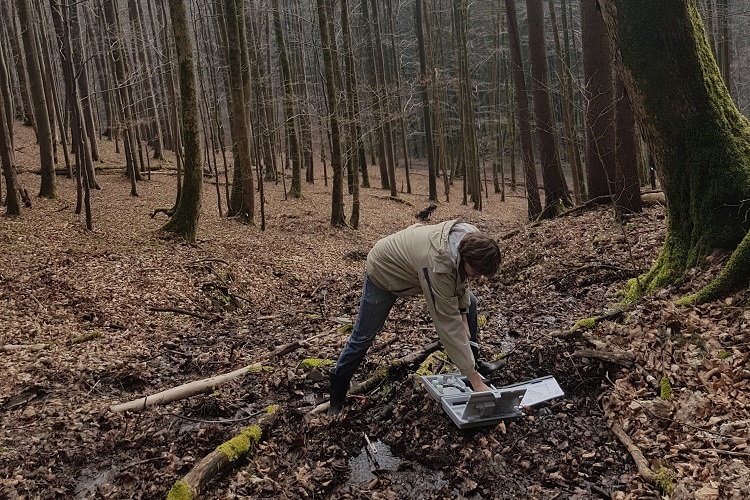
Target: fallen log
(621, 358)
(185, 391)
(384, 373)
(224, 456)
(24, 347)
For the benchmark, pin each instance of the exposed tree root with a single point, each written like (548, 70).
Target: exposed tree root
(241, 446)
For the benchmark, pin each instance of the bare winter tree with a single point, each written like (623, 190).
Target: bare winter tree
(184, 221)
(48, 187)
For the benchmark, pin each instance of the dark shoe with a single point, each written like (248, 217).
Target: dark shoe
(484, 368)
(339, 388)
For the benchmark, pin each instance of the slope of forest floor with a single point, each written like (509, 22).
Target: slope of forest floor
(86, 323)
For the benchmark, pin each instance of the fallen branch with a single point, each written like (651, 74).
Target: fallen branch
(177, 310)
(576, 331)
(649, 378)
(222, 458)
(640, 461)
(621, 358)
(380, 375)
(24, 347)
(200, 386)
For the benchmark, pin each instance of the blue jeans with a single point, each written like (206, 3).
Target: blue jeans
(374, 307)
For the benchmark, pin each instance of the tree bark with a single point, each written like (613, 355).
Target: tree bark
(328, 42)
(352, 112)
(184, 221)
(243, 191)
(555, 187)
(698, 139)
(627, 188)
(599, 97)
(427, 121)
(522, 107)
(7, 161)
(48, 188)
(295, 190)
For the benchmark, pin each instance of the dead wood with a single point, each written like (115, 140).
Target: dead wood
(380, 375)
(24, 347)
(640, 461)
(576, 332)
(649, 378)
(222, 458)
(620, 358)
(177, 310)
(185, 391)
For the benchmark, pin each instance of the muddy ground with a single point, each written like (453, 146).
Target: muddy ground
(84, 326)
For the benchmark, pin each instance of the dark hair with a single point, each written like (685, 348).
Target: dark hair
(481, 252)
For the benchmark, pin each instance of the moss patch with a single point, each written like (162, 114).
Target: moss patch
(664, 479)
(584, 324)
(180, 491)
(666, 389)
(242, 444)
(310, 363)
(86, 337)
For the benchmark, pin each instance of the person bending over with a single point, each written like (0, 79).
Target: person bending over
(435, 261)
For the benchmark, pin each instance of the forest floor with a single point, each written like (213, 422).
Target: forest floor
(85, 323)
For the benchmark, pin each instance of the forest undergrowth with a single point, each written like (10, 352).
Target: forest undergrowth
(94, 318)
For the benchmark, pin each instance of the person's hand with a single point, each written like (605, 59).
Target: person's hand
(476, 382)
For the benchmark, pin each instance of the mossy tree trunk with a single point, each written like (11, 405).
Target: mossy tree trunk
(699, 140)
(184, 222)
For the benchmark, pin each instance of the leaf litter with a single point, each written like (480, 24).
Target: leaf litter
(254, 291)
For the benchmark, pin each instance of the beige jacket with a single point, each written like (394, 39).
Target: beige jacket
(417, 260)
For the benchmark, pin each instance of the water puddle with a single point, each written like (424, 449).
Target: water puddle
(372, 460)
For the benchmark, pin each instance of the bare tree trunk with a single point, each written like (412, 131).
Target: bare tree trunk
(48, 187)
(600, 117)
(555, 187)
(295, 190)
(627, 188)
(567, 108)
(399, 102)
(328, 43)
(184, 222)
(355, 131)
(118, 60)
(383, 97)
(9, 23)
(431, 177)
(7, 161)
(435, 102)
(522, 107)
(243, 191)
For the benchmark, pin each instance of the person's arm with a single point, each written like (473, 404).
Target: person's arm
(449, 323)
